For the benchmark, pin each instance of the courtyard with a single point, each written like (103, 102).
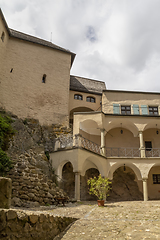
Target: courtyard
(116, 220)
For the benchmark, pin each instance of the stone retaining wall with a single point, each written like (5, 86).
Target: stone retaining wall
(30, 186)
(29, 225)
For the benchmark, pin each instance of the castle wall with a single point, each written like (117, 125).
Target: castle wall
(3, 47)
(22, 90)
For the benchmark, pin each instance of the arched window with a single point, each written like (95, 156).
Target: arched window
(2, 36)
(78, 97)
(90, 99)
(44, 78)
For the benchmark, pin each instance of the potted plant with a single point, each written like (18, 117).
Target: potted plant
(99, 187)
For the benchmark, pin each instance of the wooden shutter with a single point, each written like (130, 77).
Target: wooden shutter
(116, 108)
(135, 109)
(144, 109)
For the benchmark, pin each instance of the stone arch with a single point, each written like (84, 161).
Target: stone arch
(120, 138)
(93, 162)
(125, 185)
(90, 126)
(60, 167)
(130, 165)
(67, 182)
(152, 134)
(123, 123)
(78, 109)
(153, 182)
(152, 124)
(87, 165)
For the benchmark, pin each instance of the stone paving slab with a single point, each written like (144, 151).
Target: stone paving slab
(120, 220)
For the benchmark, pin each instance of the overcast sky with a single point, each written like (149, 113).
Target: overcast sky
(116, 41)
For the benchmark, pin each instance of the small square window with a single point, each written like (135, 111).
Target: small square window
(156, 178)
(90, 99)
(153, 110)
(126, 110)
(78, 97)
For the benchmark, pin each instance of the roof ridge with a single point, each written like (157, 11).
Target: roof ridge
(88, 78)
(37, 38)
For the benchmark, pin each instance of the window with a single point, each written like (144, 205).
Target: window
(156, 178)
(90, 99)
(44, 78)
(153, 110)
(2, 36)
(78, 97)
(148, 145)
(126, 110)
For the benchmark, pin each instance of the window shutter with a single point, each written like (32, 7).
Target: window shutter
(116, 108)
(135, 109)
(144, 109)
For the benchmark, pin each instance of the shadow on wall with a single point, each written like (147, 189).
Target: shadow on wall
(90, 173)
(68, 180)
(124, 186)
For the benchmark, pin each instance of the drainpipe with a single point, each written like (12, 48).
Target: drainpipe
(142, 148)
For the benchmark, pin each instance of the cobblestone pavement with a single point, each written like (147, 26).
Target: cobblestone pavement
(118, 220)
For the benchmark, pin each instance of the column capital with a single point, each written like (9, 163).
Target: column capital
(77, 172)
(144, 179)
(102, 129)
(140, 132)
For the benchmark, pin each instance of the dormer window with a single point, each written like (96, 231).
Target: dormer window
(90, 99)
(44, 78)
(2, 36)
(78, 97)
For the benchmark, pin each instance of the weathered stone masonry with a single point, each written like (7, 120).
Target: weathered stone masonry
(18, 224)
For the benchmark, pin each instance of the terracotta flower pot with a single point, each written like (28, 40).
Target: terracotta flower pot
(100, 203)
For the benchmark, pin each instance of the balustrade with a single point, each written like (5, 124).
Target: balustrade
(79, 141)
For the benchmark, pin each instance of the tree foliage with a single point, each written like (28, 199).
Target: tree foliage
(6, 132)
(99, 187)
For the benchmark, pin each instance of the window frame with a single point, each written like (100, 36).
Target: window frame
(90, 99)
(149, 148)
(44, 78)
(79, 97)
(2, 36)
(125, 110)
(156, 178)
(152, 111)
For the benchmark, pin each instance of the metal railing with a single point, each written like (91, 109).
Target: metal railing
(152, 152)
(77, 141)
(122, 152)
(89, 145)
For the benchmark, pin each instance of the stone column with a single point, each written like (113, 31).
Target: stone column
(142, 148)
(77, 186)
(5, 192)
(145, 189)
(103, 148)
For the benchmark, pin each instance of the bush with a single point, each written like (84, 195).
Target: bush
(6, 132)
(99, 187)
(5, 163)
